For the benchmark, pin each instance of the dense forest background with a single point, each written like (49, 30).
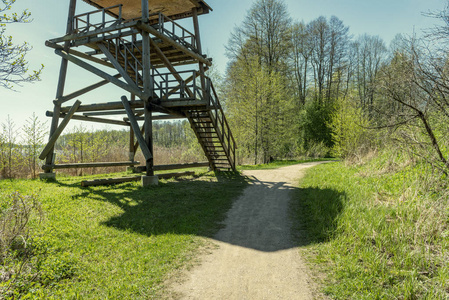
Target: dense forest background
(291, 89)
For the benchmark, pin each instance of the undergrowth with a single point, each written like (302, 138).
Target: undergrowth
(379, 230)
(116, 242)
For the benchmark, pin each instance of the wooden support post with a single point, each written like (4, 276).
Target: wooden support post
(61, 84)
(50, 145)
(131, 153)
(198, 45)
(147, 87)
(146, 152)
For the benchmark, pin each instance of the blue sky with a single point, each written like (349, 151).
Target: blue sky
(385, 18)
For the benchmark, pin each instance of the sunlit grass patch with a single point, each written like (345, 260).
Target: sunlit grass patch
(377, 235)
(121, 241)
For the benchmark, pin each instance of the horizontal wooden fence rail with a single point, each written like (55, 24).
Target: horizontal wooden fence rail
(91, 165)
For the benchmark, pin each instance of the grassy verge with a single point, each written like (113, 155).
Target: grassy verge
(378, 231)
(280, 163)
(117, 242)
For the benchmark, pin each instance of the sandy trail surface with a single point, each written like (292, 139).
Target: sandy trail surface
(256, 257)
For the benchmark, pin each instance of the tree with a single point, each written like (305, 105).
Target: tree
(13, 64)
(9, 155)
(301, 54)
(265, 34)
(417, 82)
(34, 135)
(370, 54)
(256, 95)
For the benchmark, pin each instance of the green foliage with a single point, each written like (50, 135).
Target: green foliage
(119, 242)
(259, 110)
(349, 125)
(13, 64)
(314, 124)
(379, 231)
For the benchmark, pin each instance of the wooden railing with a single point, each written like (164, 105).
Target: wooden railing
(97, 19)
(175, 31)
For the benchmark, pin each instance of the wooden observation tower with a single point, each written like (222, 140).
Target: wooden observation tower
(138, 46)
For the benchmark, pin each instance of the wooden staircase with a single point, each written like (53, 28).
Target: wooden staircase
(212, 131)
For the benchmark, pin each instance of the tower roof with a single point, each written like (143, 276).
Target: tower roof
(174, 9)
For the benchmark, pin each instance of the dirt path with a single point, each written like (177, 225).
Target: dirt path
(255, 257)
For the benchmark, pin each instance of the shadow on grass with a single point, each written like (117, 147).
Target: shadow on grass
(316, 212)
(195, 206)
(179, 206)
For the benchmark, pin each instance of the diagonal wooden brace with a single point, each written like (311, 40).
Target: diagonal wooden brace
(102, 74)
(135, 126)
(59, 130)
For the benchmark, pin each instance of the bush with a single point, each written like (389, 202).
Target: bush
(350, 135)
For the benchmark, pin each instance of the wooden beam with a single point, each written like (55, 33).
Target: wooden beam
(145, 150)
(175, 166)
(90, 119)
(158, 118)
(183, 103)
(111, 113)
(80, 54)
(82, 91)
(103, 106)
(100, 73)
(59, 130)
(91, 165)
(153, 31)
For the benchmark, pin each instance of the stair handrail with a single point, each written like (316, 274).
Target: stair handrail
(225, 136)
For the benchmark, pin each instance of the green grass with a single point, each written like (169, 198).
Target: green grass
(377, 231)
(281, 163)
(121, 241)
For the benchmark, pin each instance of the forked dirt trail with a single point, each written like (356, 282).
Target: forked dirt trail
(256, 257)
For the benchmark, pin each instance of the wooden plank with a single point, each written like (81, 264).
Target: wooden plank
(91, 165)
(49, 147)
(175, 166)
(145, 150)
(90, 119)
(102, 74)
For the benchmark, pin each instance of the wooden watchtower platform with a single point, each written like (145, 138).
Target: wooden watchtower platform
(148, 54)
